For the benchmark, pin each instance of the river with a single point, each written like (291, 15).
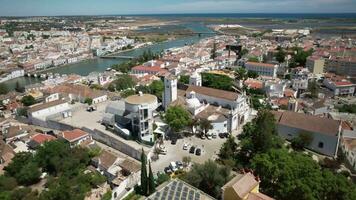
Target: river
(99, 64)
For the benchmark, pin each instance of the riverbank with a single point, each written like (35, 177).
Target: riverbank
(84, 68)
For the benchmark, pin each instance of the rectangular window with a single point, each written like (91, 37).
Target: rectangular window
(321, 145)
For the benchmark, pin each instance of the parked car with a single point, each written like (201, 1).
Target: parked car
(173, 166)
(179, 164)
(174, 141)
(214, 135)
(223, 135)
(202, 137)
(91, 109)
(198, 152)
(209, 137)
(185, 146)
(168, 170)
(192, 149)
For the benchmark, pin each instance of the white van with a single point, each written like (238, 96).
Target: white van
(173, 166)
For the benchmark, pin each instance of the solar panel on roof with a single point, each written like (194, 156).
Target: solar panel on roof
(197, 196)
(185, 189)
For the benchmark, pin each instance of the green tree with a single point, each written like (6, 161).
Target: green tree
(217, 81)
(3, 88)
(184, 79)
(244, 51)
(123, 82)
(240, 74)
(20, 160)
(156, 88)
(88, 101)
(253, 59)
(28, 100)
(209, 177)
(29, 174)
(205, 125)
(144, 181)
(151, 180)
(280, 55)
(285, 174)
(252, 74)
(228, 151)
(177, 118)
(258, 136)
(302, 140)
(313, 89)
(107, 195)
(127, 93)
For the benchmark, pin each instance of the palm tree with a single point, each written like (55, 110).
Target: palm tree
(205, 125)
(192, 124)
(241, 74)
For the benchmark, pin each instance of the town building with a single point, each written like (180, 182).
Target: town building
(39, 139)
(76, 92)
(75, 137)
(51, 109)
(170, 90)
(348, 146)
(243, 187)
(324, 131)
(262, 69)
(139, 109)
(315, 65)
(339, 85)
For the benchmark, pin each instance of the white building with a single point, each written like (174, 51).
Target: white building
(195, 79)
(341, 87)
(236, 105)
(140, 108)
(53, 108)
(300, 84)
(262, 69)
(348, 146)
(15, 73)
(170, 90)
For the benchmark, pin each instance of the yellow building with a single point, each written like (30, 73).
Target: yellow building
(243, 187)
(36, 94)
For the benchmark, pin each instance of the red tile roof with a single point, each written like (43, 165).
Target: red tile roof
(343, 83)
(148, 69)
(260, 64)
(73, 135)
(42, 138)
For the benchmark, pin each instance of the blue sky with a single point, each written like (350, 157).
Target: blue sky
(97, 7)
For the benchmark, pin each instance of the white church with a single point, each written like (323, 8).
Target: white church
(226, 110)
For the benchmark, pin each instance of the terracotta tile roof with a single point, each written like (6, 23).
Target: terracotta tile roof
(221, 94)
(289, 93)
(148, 69)
(260, 64)
(107, 159)
(41, 138)
(46, 105)
(73, 135)
(343, 83)
(309, 123)
(79, 90)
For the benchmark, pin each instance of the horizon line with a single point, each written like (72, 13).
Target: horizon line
(188, 13)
